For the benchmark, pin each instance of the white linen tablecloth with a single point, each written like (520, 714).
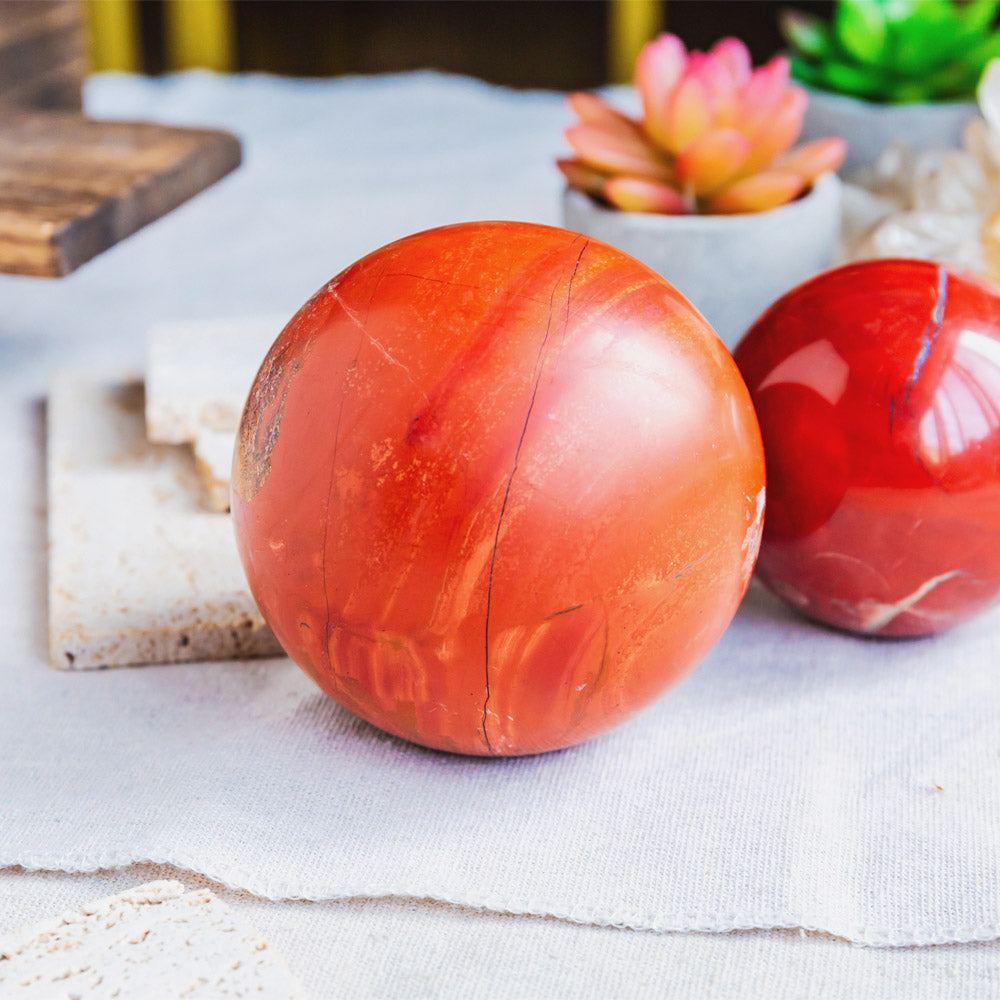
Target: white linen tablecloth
(799, 779)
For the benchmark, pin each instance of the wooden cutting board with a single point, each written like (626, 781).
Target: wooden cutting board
(71, 186)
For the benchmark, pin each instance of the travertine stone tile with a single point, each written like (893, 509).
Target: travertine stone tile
(139, 570)
(198, 374)
(157, 940)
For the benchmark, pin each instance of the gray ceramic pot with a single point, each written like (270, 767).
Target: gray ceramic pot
(869, 128)
(731, 267)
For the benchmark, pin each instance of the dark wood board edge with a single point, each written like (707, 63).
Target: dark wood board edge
(81, 239)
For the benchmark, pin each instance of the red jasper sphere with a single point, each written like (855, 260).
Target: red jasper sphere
(496, 487)
(877, 387)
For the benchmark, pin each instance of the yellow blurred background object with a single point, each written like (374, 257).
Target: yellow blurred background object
(199, 33)
(631, 23)
(114, 34)
(196, 33)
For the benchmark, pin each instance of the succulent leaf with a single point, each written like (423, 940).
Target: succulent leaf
(591, 108)
(632, 194)
(783, 128)
(982, 52)
(714, 75)
(715, 135)
(895, 50)
(762, 94)
(808, 73)
(657, 70)
(861, 29)
(954, 79)
(926, 39)
(757, 193)
(606, 150)
(689, 113)
(806, 33)
(712, 160)
(721, 88)
(735, 56)
(578, 175)
(898, 10)
(908, 92)
(976, 16)
(859, 81)
(813, 158)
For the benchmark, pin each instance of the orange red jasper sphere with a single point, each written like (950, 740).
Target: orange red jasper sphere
(496, 487)
(877, 386)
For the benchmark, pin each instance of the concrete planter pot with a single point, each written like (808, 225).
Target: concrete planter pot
(869, 128)
(731, 267)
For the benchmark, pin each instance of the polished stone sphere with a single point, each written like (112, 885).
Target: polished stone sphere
(497, 486)
(877, 387)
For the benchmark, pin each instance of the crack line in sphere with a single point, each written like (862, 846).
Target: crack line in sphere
(362, 325)
(692, 565)
(427, 277)
(513, 471)
(931, 331)
(565, 611)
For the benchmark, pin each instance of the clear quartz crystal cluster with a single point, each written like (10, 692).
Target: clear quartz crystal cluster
(940, 204)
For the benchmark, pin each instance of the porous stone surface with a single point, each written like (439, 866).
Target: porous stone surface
(198, 374)
(213, 458)
(197, 378)
(139, 570)
(157, 940)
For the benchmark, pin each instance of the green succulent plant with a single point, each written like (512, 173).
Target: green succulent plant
(895, 51)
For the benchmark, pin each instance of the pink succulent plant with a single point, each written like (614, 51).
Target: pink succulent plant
(714, 136)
